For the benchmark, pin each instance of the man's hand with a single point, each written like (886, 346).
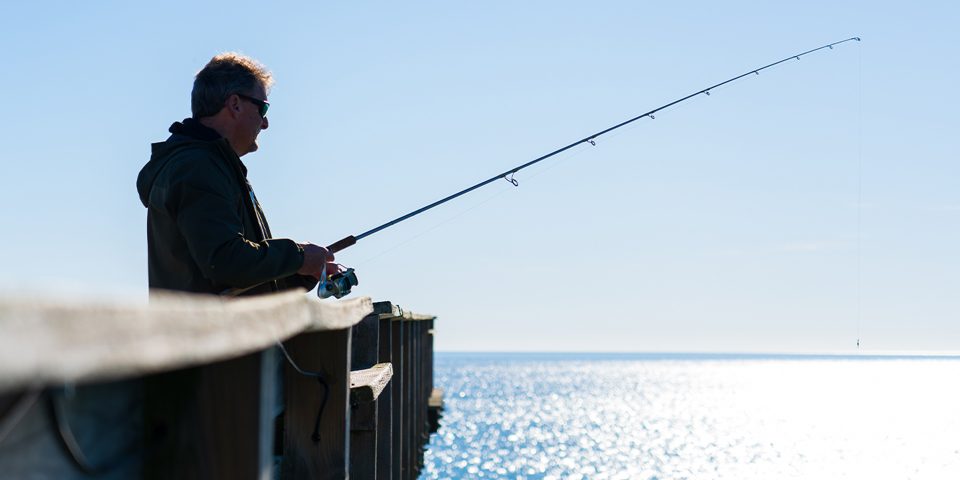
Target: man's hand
(314, 259)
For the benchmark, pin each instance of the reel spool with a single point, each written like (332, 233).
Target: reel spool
(337, 285)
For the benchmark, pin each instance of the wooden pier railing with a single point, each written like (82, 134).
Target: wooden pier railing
(279, 386)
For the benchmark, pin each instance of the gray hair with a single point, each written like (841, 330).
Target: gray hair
(225, 75)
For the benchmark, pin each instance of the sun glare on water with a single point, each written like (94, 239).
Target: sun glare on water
(697, 419)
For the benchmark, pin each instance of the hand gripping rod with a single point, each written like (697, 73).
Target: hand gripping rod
(352, 239)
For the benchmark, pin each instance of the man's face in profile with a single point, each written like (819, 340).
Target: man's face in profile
(250, 122)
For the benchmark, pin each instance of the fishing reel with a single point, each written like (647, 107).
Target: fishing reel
(337, 285)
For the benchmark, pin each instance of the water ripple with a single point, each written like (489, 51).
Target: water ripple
(525, 417)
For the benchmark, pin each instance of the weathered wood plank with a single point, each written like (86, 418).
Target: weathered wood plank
(436, 398)
(387, 310)
(269, 384)
(304, 455)
(103, 340)
(397, 393)
(365, 342)
(417, 317)
(385, 406)
(366, 385)
(363, 441)
(435, 410)
(421, 400)
(366, 381)
(203, 422)
(415, 398)
(409, 440)
(211, 376)
(435, 402)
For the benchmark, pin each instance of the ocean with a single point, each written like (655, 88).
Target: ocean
(691, 416)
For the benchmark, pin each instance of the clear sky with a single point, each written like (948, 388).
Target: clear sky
(729, 223)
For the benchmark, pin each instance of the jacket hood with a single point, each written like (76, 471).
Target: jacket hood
(187, 134)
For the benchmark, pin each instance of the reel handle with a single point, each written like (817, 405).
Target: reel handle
(342, 244)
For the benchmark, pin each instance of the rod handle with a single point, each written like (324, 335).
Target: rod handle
(342, 244)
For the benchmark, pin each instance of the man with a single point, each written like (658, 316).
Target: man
(206, 232)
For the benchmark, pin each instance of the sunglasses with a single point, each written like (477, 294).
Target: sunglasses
(264, 106)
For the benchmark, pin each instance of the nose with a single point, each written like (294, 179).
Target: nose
(264, 124)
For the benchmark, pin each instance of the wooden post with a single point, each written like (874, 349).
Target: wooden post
(408, 399)
(206, 422)
(365, 342)
(435, 402)
(304, 457)
(417, 431)
(385, 404)
(203, 418)
(365, 349)
(365, 389)
(427, 375)
(435, 405)
(421, 391)
(269, 385)
(397, 392)
(421, 401)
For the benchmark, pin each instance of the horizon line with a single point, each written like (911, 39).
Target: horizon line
(861, 354)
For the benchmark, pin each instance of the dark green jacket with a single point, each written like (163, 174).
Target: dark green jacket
(206, 231)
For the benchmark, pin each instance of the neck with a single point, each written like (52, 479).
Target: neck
(221, 126)
(216, 123)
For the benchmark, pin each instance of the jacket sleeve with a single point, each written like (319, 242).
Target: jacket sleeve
(208, 210)
(301, 281)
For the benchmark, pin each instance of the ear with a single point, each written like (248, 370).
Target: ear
(233, 104)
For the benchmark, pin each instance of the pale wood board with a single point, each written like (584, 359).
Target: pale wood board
(366, 385)
(48, 341)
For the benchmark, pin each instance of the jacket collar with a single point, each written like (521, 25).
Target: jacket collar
(192, 128)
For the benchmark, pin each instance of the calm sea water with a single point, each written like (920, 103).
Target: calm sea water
(545, 416)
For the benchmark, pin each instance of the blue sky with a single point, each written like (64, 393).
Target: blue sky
(729, 223)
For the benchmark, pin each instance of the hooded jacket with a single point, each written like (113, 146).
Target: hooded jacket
(206, 232)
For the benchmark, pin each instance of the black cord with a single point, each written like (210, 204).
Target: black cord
(322, 379)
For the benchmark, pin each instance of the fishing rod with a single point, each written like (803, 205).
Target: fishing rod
(339, 285)
(508, 175)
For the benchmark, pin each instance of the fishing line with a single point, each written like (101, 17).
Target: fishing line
(561, 160)
(591, 139)
(859, 192)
